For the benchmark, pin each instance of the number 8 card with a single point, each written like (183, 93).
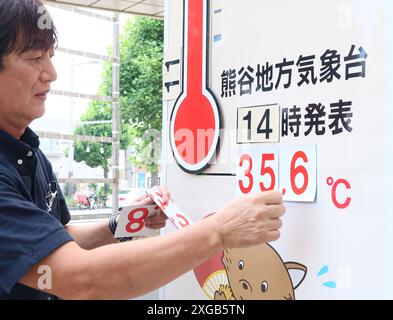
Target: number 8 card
(132, 221)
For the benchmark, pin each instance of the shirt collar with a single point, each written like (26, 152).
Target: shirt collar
(18, 151)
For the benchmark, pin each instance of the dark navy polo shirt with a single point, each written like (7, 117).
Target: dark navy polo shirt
(33, 213)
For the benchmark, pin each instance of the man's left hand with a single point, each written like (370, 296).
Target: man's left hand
(157, 221)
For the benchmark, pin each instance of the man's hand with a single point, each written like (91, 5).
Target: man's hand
(250, 220)
(157, 221)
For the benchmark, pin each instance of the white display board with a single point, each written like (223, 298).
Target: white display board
(304, 91)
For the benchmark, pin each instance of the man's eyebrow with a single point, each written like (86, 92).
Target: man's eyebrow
(31, 51)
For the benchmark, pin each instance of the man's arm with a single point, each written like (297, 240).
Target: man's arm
(127, 270)
(92, 235)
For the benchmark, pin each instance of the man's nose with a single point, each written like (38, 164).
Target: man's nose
(49, 71)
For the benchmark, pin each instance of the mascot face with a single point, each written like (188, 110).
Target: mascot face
(258, 273)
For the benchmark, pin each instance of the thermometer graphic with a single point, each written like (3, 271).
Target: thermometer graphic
(195, 120)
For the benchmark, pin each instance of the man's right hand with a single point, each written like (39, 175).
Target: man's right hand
(250, 220)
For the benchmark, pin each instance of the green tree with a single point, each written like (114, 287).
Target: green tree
(141, 90)
(141, 58)
(97, 154)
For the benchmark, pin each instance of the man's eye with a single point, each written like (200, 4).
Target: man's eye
(37, 59)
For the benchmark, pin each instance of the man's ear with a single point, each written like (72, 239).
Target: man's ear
(297, 272)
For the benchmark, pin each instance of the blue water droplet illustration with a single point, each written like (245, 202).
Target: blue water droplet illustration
(330, 284)
(323, 270)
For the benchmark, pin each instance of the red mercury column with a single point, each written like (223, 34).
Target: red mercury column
(195, 120)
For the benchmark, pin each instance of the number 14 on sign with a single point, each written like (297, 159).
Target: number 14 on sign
(290, 169)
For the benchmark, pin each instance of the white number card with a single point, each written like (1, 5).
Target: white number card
(132, 221)
(259, 124)
(257, 169)
(175, 215)
(298, 173)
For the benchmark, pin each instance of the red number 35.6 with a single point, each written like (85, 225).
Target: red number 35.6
(246, 163)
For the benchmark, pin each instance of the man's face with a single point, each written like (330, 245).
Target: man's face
(24, 84)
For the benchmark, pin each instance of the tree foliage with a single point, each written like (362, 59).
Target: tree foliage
(93, 153)
(141, 89)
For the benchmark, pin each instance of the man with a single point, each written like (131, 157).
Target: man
(85, 261)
